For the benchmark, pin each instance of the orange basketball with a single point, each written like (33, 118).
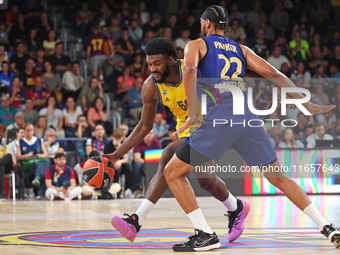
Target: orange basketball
(98, 171)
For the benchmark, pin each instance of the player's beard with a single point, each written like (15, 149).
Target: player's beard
(164, 75)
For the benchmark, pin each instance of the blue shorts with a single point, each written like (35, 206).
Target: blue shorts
(251, 143)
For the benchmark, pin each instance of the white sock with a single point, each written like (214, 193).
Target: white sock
(199, 221)
(315, 215)
(143, 210)
(230, 203)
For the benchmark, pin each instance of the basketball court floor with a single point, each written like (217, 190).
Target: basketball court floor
(273, 226)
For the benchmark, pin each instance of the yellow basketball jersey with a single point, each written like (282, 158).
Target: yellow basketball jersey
(173, 96)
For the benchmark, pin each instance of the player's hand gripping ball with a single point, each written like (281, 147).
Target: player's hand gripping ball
(98, 171)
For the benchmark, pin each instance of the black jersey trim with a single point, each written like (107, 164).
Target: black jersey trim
(156, 86)
(206, 54)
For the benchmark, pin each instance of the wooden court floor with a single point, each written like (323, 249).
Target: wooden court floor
(273, 226)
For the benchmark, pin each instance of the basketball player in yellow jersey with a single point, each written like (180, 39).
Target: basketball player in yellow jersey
(164, 85)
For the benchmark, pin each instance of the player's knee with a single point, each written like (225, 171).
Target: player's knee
(277, 179)
(207, 184)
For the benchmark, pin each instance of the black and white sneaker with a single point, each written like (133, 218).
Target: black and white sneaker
(201, 241)
(332, 233)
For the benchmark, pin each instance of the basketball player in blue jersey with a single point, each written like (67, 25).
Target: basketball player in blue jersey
(222, 59)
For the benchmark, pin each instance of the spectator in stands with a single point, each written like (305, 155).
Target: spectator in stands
(60, 180)
(288, 140)
(285, 69)
(52, 146)
(38, 93)
(309, 131)
(335, 60)
(125, 45)
(184, 39)
(31, 11)
(154, 25)
(277, 59)
(33, 153)
(73, 82)
(302, 75)
(125, 83)
(3, 56)
(114, 29)
(54, 116)
(95, 54)
(160, 128)
(83, 129)
(104, 14)
(316, 42)
(18, 60)
(172, 24)
(268, 31)
(51, 79)
(138, 65)
(235, 14)
(334, 40)
(330, 122)
(148, 143)
(98, 141)
(44, 26)
(305, 27)
(6, 164)
(320, 97)
(12, 146)
(7, 113)
(334, 74)
(61, 62)
(84, 20)
(113, 69)
(262, 100)
(19, 121)
(71, 114)
(279, 18)
(50, 43)
(170, 138)
(284, 46)
(39, 60)
(300, 128)
(125, 129)
(194, 27)
(317, 59)
(6, 76)
(143, 13)
(237, 32)
(111, 147)
(336, 98)
(18, 31)
(29, 74)
(30, 115)
(90, 92)
(135, 32)
(318, 135)
(40, 127)
(320, 76)
(33, 44)
(135, 99)
(253, 17)
(275, 134)
(299, 47)
(4, 40)
(18, 94)
(148, 36)
(97, 113)
(260, 46)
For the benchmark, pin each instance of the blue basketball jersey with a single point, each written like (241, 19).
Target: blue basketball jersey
(63, 180)
(223, 63)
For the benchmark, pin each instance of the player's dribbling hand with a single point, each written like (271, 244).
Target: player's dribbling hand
(111, 157)
(314, 108)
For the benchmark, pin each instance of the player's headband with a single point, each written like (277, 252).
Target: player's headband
(215, 14)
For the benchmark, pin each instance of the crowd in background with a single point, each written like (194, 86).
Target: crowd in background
(41, 87)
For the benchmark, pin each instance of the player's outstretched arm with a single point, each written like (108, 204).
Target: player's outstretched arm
(263, 68)
(150, 99)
